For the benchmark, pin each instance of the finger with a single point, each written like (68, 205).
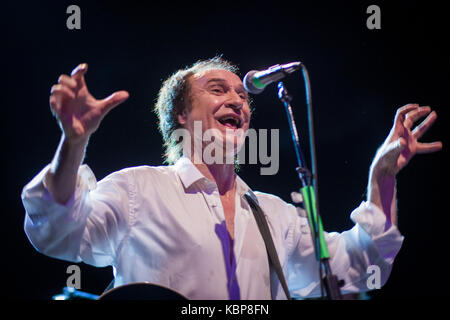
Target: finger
(114, 100)
(78, 74)
(58, 93)
(414, 115)
(401, 112)
(54, 105)
(425, 125)
(67, 81)
(429, 147)
(59, 90)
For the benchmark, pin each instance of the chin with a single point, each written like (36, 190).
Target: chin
(227, 143)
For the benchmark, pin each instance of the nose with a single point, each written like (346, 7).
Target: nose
(234, 101)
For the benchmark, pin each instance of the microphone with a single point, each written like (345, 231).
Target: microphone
(255, 81)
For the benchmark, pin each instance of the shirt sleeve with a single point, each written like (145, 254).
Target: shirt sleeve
(88, 228)
(355, 255)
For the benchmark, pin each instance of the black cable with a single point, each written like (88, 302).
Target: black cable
(312, 143)
(314, 173)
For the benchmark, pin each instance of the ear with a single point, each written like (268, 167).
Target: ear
(182, 117)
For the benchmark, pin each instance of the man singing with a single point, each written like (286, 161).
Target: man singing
(186, 225)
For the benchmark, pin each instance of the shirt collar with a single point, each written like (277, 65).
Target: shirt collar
(189, 174)
(241, 187)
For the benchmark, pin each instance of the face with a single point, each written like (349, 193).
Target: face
(220, 102)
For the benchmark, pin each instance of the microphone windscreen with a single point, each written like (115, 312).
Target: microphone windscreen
(249, 84)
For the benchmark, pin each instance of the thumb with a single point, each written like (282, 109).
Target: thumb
(114, 100)
(78, 74)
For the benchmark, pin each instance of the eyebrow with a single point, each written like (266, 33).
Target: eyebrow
(240, 87)
(216, 80)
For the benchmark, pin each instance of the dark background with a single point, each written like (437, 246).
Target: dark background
(359, 77)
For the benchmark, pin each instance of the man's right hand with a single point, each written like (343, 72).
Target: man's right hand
(79, 114)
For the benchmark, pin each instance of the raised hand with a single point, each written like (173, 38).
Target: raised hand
(79, 114)
(402, 142)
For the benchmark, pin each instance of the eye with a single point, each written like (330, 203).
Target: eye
(217, 89)
(242, 95)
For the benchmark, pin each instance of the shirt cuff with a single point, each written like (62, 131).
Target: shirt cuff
(385, 236)
(36, 195)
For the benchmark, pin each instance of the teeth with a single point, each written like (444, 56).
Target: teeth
(235, 121)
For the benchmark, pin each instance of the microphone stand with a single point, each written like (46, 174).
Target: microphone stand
(309, 192)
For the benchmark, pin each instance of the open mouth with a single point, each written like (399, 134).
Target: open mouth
(232, 122)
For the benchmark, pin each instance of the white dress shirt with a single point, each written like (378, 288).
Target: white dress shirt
(166, 225)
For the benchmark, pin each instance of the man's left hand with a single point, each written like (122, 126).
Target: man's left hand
(402, 142)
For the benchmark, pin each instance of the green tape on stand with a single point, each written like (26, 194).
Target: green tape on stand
(309, 200)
